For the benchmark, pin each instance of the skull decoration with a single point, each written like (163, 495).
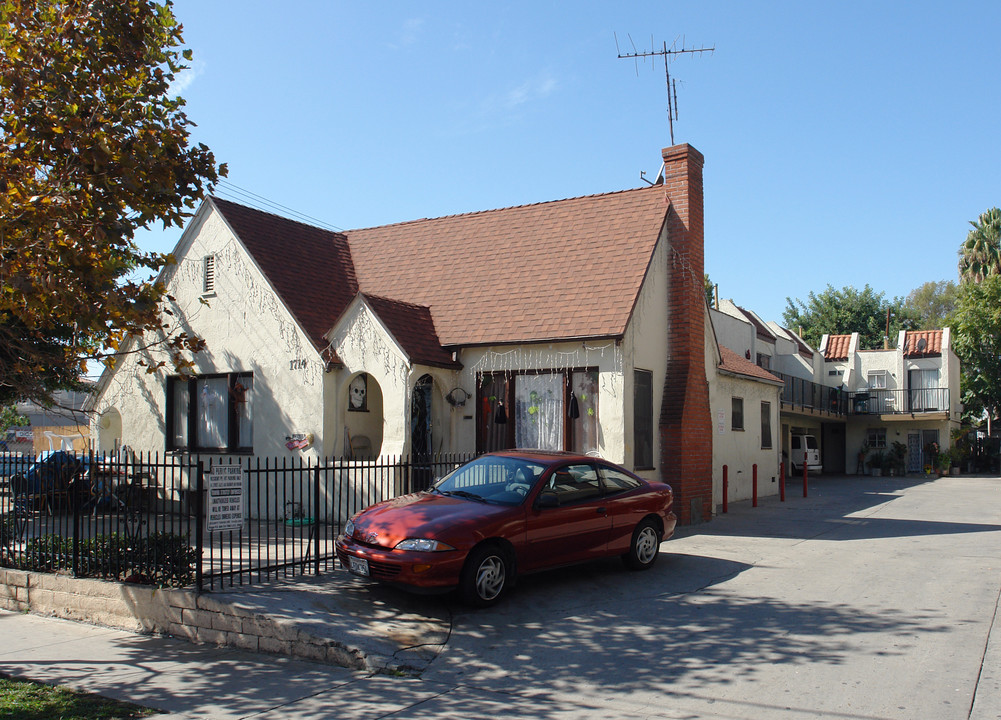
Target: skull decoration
(356, 393)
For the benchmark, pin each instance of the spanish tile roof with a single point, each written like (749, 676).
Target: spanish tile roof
(559, 270)
(413, 329)
(837, 347)
(309, 268)
(733, 363)
(922, 343)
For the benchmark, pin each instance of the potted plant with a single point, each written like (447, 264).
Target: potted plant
(863, 451)
(898, 458)
(943, 462)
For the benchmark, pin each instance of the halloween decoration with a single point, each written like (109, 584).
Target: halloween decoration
(573, 412)
(501, 417)
(358, 393)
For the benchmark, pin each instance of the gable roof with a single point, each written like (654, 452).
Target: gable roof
(763, 332)
(309, 268)
(913, 346)
(413, 329)
(566, 269)
(837, 347)
(733, 363)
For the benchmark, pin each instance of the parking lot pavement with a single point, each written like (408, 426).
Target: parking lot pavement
(871, 598)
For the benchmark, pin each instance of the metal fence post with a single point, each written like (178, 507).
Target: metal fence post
(199, 524)
(316, 519)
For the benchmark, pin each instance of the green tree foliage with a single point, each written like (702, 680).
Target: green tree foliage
(841, 312)
(92, 147)
(10, 417)
(980, 254)
(932, 304)
(710, 290)
(977, 342)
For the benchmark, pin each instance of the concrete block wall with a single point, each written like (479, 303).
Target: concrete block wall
(181, 613)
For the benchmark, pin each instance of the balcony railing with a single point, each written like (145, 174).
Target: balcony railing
(900, 402)
(809, 395)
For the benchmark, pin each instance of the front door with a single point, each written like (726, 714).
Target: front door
(914, 454)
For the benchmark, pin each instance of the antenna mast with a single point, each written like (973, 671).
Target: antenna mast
(668, 54)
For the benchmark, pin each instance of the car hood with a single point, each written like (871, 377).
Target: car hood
(426, 515)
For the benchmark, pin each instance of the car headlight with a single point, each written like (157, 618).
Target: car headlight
(349, 528)
(423, 545)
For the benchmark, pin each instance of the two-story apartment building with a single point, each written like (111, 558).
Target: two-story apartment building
(852, 399)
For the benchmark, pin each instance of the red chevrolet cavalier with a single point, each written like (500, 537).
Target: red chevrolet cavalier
(505, 513)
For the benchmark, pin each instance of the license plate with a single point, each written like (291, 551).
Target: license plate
(359, 566)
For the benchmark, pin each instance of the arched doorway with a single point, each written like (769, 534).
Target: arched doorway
(421, 439)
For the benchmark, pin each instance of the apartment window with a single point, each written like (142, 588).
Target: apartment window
(766, 426)
(877, 379)
(764, 361)
(642, 419)
(834, 373)
(737, 413)
(208, 275)
(876, 438)
(211, 413)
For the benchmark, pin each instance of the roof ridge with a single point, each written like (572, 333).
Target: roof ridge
(495, 210)
(283, 218)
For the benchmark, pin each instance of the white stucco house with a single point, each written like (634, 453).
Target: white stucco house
(576, 324)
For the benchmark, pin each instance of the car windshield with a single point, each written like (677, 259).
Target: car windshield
(491, 479)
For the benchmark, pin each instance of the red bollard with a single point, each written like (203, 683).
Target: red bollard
(782, 481)
(805, 470)
(726, 485)
(754, 485)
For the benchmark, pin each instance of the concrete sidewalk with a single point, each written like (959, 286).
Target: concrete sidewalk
(713, 631)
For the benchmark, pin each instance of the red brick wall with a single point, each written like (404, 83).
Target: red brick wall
(685, 419)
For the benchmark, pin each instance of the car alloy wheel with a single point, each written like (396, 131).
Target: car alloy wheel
(645, 546)
(485, 576)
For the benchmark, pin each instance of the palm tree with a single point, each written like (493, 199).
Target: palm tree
(980, 255)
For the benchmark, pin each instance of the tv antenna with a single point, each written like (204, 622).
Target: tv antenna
(668, 53)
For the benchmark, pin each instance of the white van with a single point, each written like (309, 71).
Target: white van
(804, 446)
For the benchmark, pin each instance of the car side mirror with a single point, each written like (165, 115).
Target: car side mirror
(547, 499)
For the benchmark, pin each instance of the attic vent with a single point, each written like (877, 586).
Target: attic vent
(208, 275)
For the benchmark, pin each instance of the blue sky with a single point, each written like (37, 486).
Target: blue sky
(845, 143)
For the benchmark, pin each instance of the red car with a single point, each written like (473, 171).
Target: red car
(505, 513)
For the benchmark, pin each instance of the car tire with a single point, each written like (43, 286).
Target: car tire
(644, 548)
(487, 574)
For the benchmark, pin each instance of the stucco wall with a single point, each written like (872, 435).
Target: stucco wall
(247, 330)
(740, 450)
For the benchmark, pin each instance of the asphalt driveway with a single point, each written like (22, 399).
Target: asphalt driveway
(872, 598)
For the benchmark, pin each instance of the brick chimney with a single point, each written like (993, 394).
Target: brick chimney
(685, 419)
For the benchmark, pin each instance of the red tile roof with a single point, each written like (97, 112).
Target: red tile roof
(558, 270)
(413, 329)
(309, 268)
(837, 347)
(733, 363)
(922, 343)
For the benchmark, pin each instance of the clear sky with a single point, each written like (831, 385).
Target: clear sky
(846, 142)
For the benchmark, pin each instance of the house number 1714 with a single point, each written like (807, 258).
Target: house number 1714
(299, 364)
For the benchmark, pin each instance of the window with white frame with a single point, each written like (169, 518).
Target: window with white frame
(211, 413)
(877, 379)
(876, 438)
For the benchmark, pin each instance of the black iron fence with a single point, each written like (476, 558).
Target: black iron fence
(179, 520)
(806, 394)
(896, 402)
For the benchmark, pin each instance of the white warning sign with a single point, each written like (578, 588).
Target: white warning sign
(225, 507)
